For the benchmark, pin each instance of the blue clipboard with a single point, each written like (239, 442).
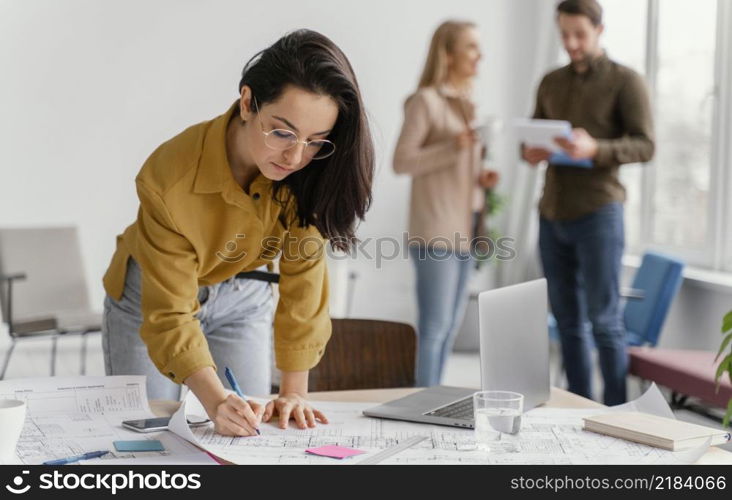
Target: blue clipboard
(564, 160)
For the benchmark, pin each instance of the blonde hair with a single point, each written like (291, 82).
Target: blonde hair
(442, 44)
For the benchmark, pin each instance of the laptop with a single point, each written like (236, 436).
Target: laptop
(514, 356)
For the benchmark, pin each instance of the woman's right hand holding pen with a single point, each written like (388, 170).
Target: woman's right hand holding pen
(231, 415)
(235, 417)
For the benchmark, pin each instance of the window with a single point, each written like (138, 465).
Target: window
(684, 104)
(625, 35)
(627, 45)
(677, 203)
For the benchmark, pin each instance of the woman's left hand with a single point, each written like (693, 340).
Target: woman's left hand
(293, 406)
(488, 179)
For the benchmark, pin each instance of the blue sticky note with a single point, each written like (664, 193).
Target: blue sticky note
(140, 445)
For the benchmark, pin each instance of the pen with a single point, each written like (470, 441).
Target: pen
(235, 385)
(68, 460)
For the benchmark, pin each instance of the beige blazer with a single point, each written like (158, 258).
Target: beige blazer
(445, 189)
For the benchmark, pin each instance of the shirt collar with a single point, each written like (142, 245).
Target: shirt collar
(462, 100)
(599, 63)
(214, 173)
(449, 91)
(596, 64)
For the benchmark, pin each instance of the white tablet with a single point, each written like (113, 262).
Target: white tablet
(541, 133)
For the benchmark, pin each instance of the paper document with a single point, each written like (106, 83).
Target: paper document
(197, 458)
(69, 416)
(541, 133)
(548, 436)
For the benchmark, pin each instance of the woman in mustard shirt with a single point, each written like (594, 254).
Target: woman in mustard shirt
(287, 167)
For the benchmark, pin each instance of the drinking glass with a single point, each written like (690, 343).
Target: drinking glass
(496, 412)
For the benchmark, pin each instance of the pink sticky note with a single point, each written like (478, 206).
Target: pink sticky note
(334, 451)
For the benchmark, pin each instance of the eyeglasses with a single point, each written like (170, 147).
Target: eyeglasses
(281, 139)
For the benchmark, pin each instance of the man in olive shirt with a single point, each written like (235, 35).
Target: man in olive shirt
(581, 236)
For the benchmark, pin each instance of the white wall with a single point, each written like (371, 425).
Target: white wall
(695, 319)
(519, 41)
(89, 88)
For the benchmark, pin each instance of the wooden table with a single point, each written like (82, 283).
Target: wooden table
(559, 399)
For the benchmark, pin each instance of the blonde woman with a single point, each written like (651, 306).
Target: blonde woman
(439, 148)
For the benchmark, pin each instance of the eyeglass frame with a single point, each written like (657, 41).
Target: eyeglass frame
(297, 137)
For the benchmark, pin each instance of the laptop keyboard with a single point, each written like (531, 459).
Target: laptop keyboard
(461, 410)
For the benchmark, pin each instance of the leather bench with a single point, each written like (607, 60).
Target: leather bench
(685, 372)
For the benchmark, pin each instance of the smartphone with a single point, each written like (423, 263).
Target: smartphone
(147, 424)
(156, 424)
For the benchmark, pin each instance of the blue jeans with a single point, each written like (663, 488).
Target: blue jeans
(442, 279)
(235, 316)
(582, 263)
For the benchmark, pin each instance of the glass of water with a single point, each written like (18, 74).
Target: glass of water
(496, 412)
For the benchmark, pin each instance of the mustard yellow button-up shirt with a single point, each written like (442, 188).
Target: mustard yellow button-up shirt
(195, 227)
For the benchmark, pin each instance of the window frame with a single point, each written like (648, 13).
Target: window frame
(716, 253)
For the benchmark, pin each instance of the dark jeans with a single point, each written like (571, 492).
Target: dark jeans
(582, 260)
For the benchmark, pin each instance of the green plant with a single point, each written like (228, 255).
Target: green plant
(494, 203)
(726, 364)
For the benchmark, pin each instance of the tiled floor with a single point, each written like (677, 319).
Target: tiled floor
(32, 357)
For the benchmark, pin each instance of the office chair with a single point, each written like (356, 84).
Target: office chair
(43, 293)
(654, 287)
(366, 354)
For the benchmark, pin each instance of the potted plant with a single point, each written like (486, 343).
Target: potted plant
(725, 366)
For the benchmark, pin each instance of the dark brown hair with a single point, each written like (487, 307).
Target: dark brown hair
(334, 192)
(588, 8)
